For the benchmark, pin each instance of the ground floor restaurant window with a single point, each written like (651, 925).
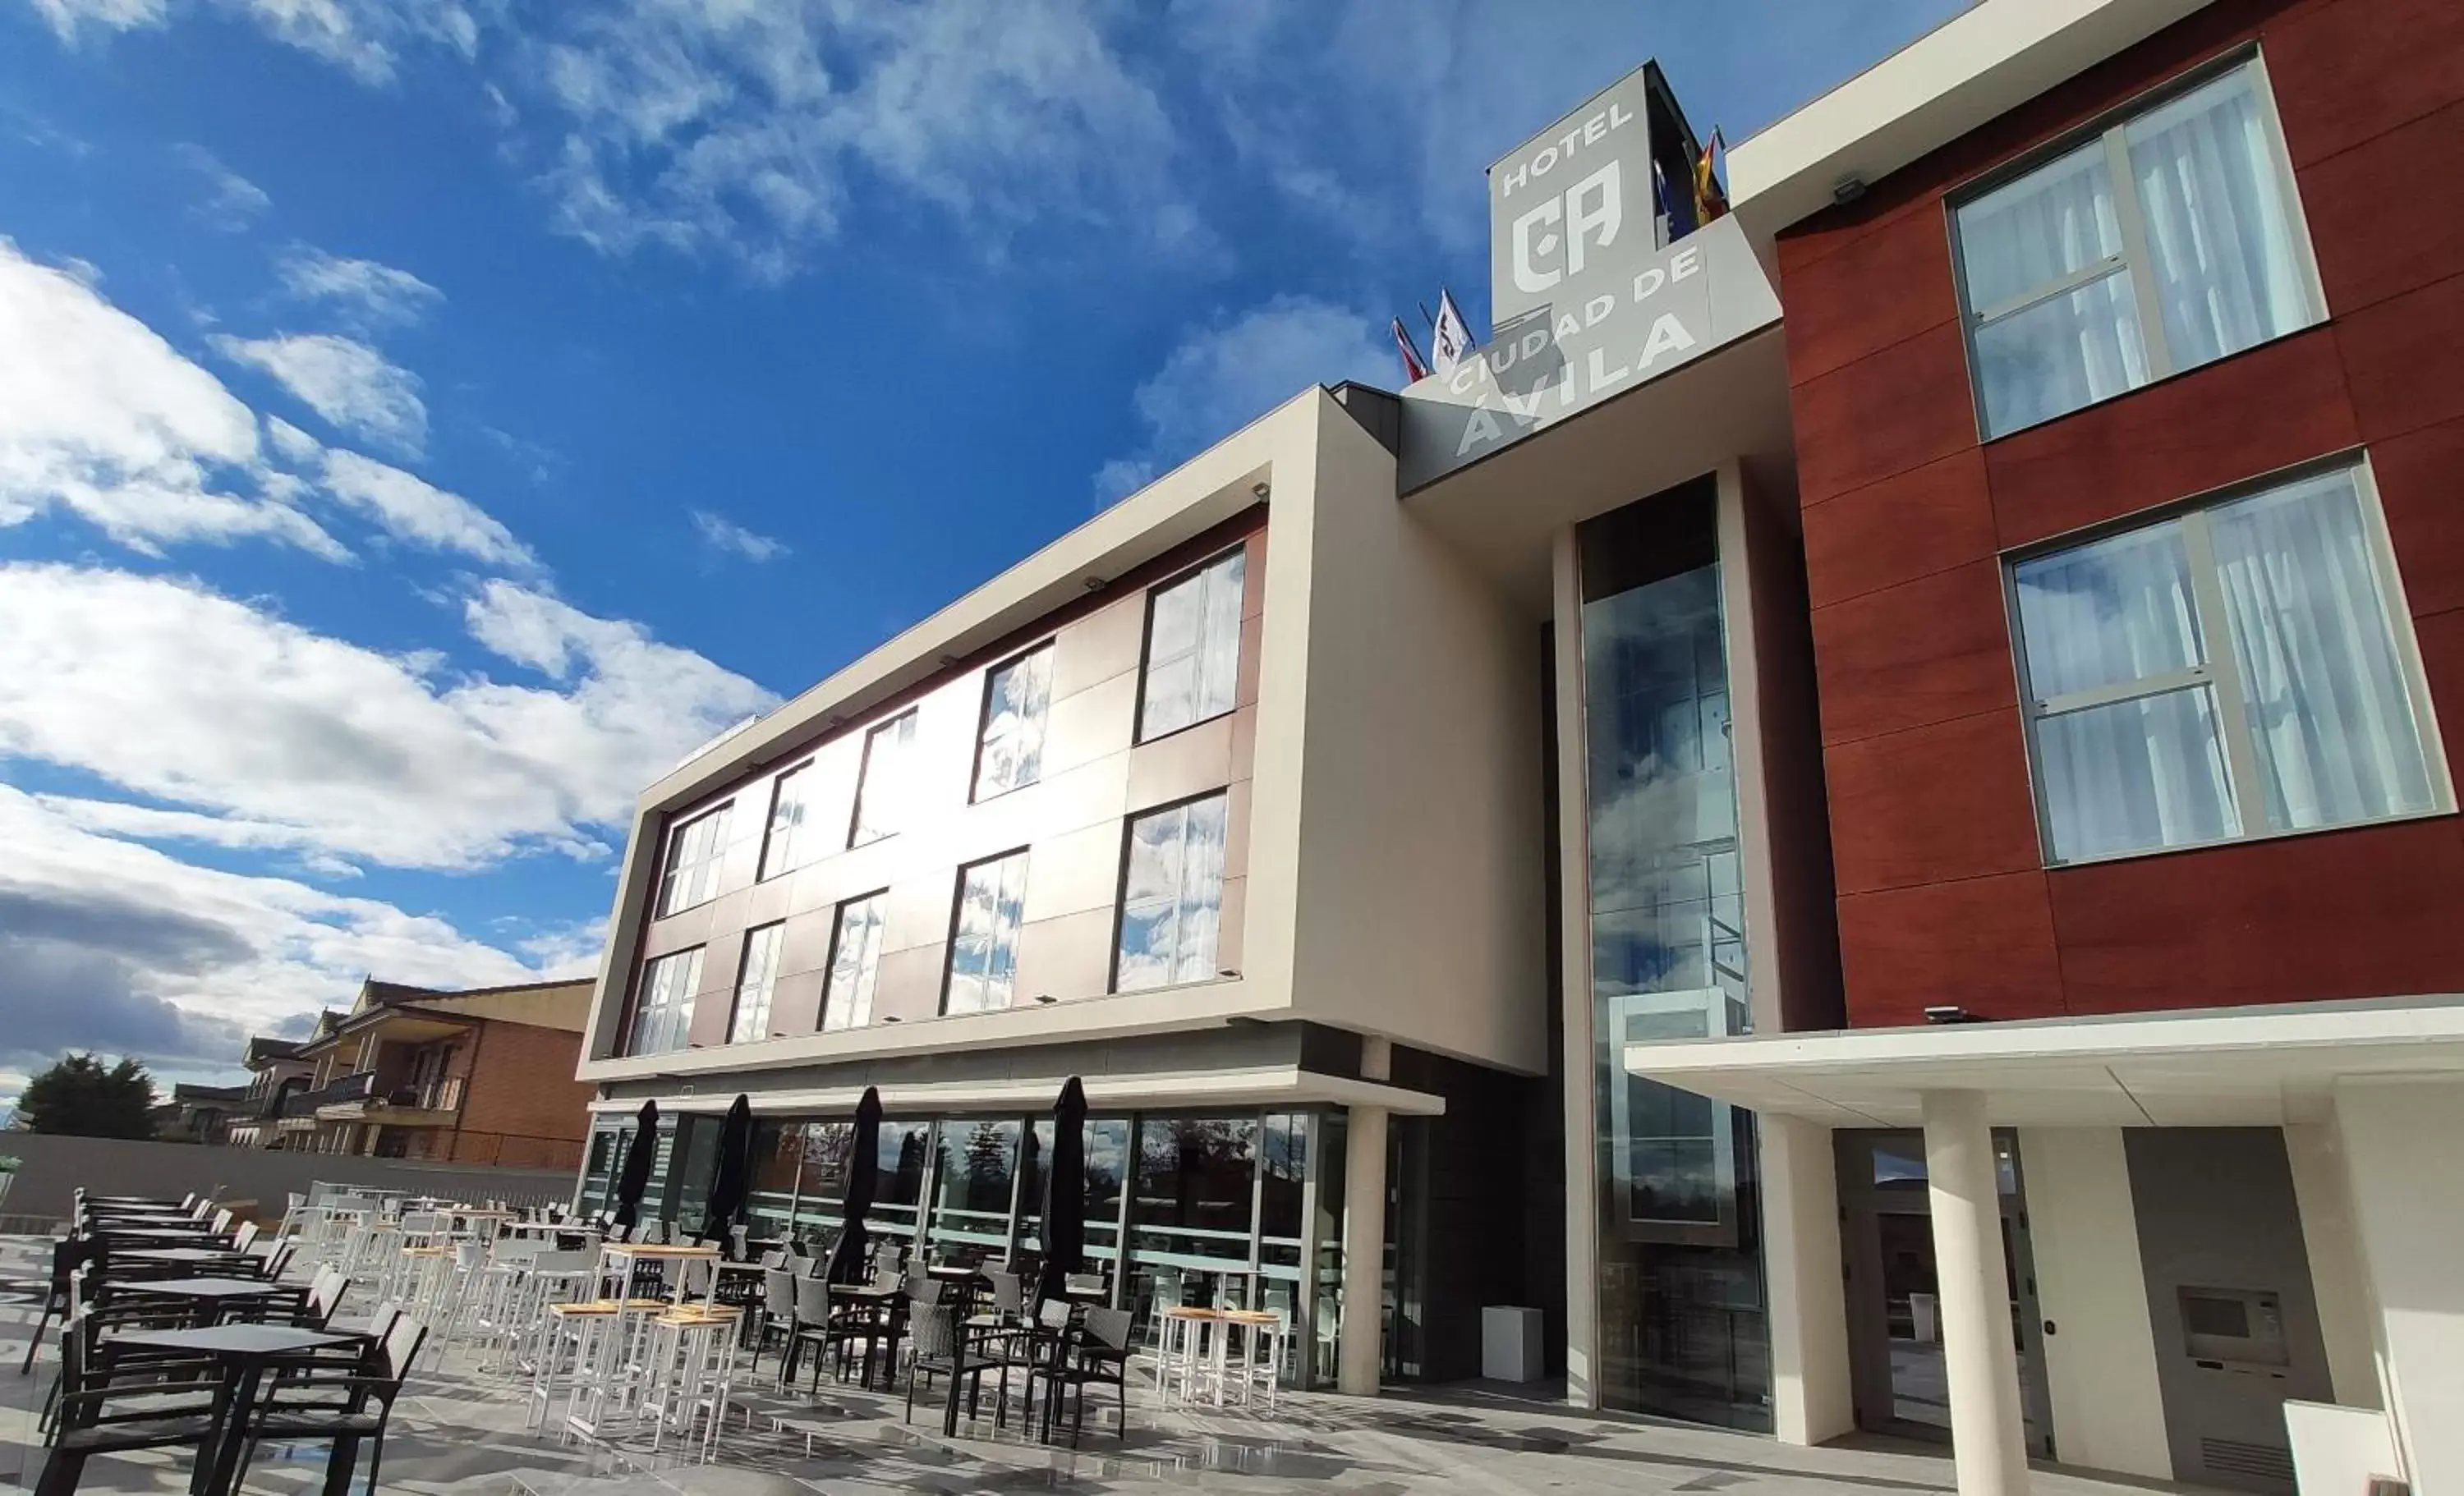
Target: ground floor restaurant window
(1234, 1208)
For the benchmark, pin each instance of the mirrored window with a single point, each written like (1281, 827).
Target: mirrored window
(1193, 668)
(1009, 747)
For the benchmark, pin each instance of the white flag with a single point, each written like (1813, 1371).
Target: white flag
(1451, 338)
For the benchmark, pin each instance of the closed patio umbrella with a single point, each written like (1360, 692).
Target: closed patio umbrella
(1062, 1234)
(731, 1172)
(846, 1262)
(635, 1176)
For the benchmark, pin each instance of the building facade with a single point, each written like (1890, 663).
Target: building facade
(483, 1076)
(1856, 810)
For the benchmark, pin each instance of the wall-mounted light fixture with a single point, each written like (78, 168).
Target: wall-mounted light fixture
(1045, 1000)
(1948, 1013)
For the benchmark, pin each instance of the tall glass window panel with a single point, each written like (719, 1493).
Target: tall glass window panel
(856, 964)
(1009, 751)
(983, 940)
(663, 1006)
(886, 788)
(975, 1168)
(2222, 245)
(898, 1178)
(2160, 244)
(695, 851)
(770, 1198)
(2145, 741)
(756, 977)
(1196, 1188)
(1193, 668)
(1106, 1142)
(784, 846)
(821, 1179)
(1172, 898)
(2338, 736)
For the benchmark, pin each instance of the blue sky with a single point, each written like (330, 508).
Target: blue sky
(424, 420)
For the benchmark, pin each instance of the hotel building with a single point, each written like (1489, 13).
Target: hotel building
(1856, 812)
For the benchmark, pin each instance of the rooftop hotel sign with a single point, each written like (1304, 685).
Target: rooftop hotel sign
(1585, 303)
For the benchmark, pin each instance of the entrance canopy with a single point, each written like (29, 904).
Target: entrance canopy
(2243, 1067)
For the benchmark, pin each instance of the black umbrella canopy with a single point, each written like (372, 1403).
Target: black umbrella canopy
(635, 1176)
(1063, 1232)
(730, 1173)
(846, 1258)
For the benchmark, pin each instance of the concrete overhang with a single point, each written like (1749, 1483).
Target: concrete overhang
(1499, 512)
(2246, 1066)
(1971, 69)
(1266, 1085)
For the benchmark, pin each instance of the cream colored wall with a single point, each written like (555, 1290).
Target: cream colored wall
(2399, 1136)
(2345, 1319)
(1419, 856)
(2100, 1361)
(1813, 1398)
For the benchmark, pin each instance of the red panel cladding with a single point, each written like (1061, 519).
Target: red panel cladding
(2404, 360)
(2381, 225)
(1932, 804)
(1878, 290)
(2278, 403)
(2352, 71)
(1898, 409)
(2421, 487)
(2365, 913)
(1986, 944)
(1925, 520)
(1924, 652)
(2441, 638)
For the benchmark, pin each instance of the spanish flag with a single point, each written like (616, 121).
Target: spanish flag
(1711, 201)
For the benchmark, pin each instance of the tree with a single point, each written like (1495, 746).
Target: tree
(82, 1096)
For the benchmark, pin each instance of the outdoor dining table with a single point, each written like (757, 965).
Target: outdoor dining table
(224, 1295)
(195, 1256)
(620, 1259)
(243, 1352)
(881, 1301)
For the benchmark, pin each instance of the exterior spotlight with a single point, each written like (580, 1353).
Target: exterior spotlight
(1948, 1013)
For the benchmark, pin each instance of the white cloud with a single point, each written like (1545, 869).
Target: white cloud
(725, 536)
(363, 37)
(368, 292)
(235, 201)
(218, 707)
(110, 945)
(347, 382)
(98, 415)
(67, 17)
(1230, 372)
(412, 508)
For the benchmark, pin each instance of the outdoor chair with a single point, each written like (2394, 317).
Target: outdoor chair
(1097, 1356)
(342, 1406)
(106, 1410)
(50, 1291)
(822, 1327)
(776, 1313)
(937, 1346)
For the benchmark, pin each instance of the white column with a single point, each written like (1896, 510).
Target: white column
(1360, 1347)
(2101, 1375)
(1575, 967)
(1988, 1436)
(2407, 1196)
(1812, 1400)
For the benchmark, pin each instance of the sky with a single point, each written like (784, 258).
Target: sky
(425, 421)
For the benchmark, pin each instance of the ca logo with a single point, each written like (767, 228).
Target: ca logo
(1562, 229)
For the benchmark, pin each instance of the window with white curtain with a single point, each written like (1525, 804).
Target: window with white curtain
(695, 851)
(983, 939)
(1192, 667)
(756, 978)
(2166, 241)
(2241, 669)
(663, 1004)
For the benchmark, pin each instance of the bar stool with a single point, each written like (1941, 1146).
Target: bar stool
(689, 1368)
(1259, 1368)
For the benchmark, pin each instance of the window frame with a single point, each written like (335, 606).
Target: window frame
(864, 775)
(957, 909)
(762, 871)
(2221, 673)
(830, 962)
(1139, 733)
(2134, 259)
(975, 795)
(684, 1008)
(1121, 890)
(660, 908)
(769, 984)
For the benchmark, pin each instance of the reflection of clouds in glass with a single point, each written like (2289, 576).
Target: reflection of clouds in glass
(1172, 901)
(693, 852)
(1193, 647)
(663, 1012)
(983, 947)
(856, 964)
(755, 982)
(790, 807)
(884, 787)
(1016, 697)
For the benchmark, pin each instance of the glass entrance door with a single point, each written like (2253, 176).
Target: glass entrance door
(1894, 1325)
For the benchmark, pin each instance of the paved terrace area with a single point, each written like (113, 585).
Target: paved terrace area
(461, 1431)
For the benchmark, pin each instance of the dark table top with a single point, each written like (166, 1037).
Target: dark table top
(953, 1272)
(212, 1287)
(152, 1233)
(178, 1254)
(235, 1340)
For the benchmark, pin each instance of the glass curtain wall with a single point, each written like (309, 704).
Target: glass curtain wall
(1680, 1294)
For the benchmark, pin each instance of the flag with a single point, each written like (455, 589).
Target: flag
(1450, 337)
(1414, 370)
(1709, 200)
(1676, 213)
